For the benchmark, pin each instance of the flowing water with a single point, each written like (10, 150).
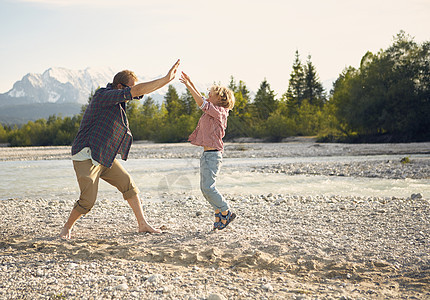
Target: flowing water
(54, 178)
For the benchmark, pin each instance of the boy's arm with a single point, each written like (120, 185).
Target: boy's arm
(185, 79)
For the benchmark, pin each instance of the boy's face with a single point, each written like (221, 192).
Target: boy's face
(213, 98)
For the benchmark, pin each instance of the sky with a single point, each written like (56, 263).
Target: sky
(248, 39)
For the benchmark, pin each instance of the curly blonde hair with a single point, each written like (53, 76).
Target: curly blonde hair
(226, 96)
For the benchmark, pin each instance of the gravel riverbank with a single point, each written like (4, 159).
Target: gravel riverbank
(281, 246)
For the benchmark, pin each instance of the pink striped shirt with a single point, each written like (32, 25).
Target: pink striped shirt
(211, 127)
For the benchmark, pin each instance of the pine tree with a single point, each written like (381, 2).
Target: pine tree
(313, 89)
(171, 99)
(241, 95)
(296, 86)
(188, 103)
(149, 108)
(265, 102)
(3, 134)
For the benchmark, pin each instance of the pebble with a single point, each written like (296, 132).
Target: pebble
(216, 297)
(122, 287)
(416, 196)
(155, 278)
(267, 287)
(72, 266)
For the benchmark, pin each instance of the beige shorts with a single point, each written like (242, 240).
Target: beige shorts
(88, 177)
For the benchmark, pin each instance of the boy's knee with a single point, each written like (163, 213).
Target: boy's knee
(206, 189)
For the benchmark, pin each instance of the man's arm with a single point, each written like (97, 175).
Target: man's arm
(150, 86)
(185, 79)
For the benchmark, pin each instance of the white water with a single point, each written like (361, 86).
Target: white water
(54, 178)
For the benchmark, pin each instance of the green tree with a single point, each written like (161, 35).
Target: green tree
(242, 97)
(134, 116)
(177, 123)
(388, 95)
(149, 107)
(173, 104)
(308, 119)
(264, 101)
(3, 134)
(54, 131)
(188, 103)
(313, 90)
(279, 125)
(296, 87)
(239, 121)
(150, 120)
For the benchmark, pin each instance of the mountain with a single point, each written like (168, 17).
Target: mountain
(57, 85)
(60, 91)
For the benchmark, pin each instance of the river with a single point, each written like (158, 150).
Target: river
(56, 178)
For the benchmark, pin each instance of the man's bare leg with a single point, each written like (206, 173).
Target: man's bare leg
(66, 232)
(136, 206)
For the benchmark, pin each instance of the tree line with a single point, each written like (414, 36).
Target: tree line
(385, 99)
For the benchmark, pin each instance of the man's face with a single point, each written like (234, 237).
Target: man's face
(130, 83)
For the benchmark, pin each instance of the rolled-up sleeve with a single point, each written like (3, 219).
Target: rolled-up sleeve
(203, 104)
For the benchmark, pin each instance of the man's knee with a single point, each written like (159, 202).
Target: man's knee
(89, 189)
(83, 207)
(130, 193)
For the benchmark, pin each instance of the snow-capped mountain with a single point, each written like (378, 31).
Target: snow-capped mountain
(59, 85)
(61, 91)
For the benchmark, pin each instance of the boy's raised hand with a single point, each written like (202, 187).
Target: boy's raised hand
(185, 79)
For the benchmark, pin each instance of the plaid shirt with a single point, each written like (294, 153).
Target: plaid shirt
(104, 126)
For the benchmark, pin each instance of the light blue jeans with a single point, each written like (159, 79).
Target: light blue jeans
(210, 165)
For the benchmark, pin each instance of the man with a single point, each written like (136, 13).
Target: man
(104, 133)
